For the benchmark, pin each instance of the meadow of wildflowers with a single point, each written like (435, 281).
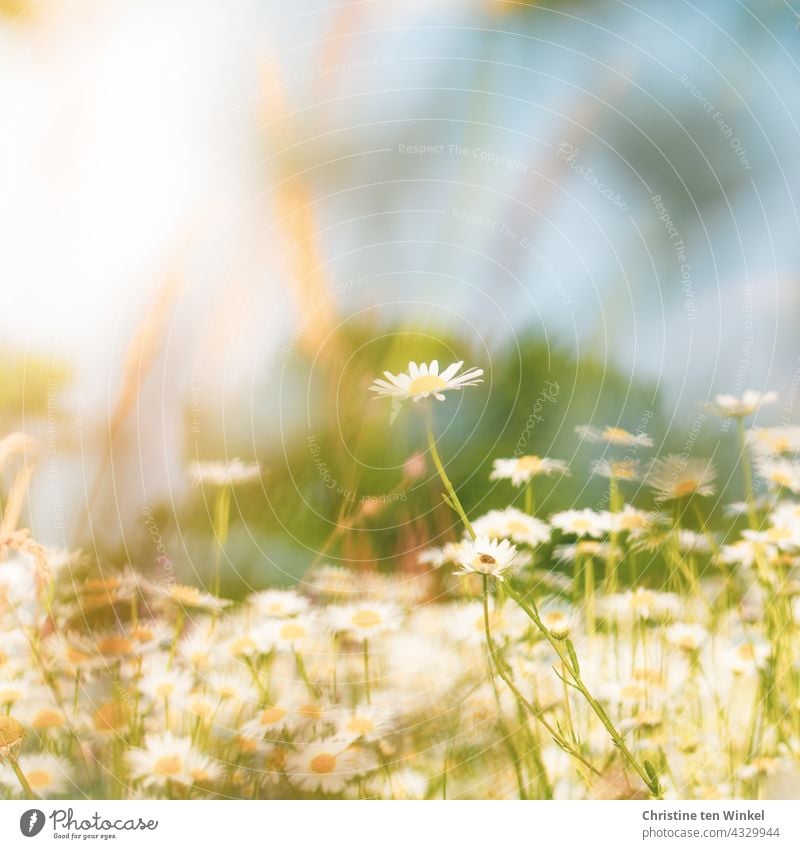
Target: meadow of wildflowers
(614, 653)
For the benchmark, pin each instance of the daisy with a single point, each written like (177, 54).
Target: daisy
(367, 722)
(278, 604)
(424, 380)
(202, 769)
(364, 620)
(163, 758)
(582, 523)
(618, 470)
(613, 436)
(772, 441)
(190, 597)
(782, 474)
(688, 637)
(328, 766)
(514, 524)
(486, 556)
(631, 520)
(163, 684)
(520, 470)
(47, 775)
(586, 548)
(739, 407)
(558, 623)
(227, 473)
(675, 476)
(287, 634)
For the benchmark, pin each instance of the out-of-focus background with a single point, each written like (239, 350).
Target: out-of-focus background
(219, 221)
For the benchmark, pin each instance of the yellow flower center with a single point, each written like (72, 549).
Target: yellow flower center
(271, 715)
(48, 719)
(616, 434)
(323, 764)
(360, 725)
(293, 631)
(529, 463)
(517, 527)
(366, 619)
(169, 765)
(310, 711)
(115, 645)
(185, 595)
(686, 487)
(426, 383)
(38, 778)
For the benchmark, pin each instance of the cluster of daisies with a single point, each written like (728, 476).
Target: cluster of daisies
(613, 652)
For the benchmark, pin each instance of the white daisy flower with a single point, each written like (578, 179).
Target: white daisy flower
(366, 722)
(514, 524)
(228, 473)
(582, 523)
(687, 636)
(782, 474)
(364, 620)
(520, 470)
(676, 476)
(278, 604)
(618, 470)
(739, 407)
(774, 441)
(190, 597)
(486, 557)
(610, 435)
(47, 775)
(328, 766)
(424, 380)
(163, 758)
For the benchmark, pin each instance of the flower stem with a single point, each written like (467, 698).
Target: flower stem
(221, 525)
(569, 661)
(747, 472)
(455, 503)
(536, 712)
(23, 782)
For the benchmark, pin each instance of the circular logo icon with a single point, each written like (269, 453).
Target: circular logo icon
(31, 822)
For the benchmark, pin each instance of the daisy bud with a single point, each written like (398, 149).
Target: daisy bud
(12, 735)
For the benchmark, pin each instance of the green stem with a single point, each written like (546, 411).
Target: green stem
(536, 712)
(574, 673)
(366, 671)
(747, 472)
(23, 782)
(221, 525)
(530, 499)
(437, 461)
